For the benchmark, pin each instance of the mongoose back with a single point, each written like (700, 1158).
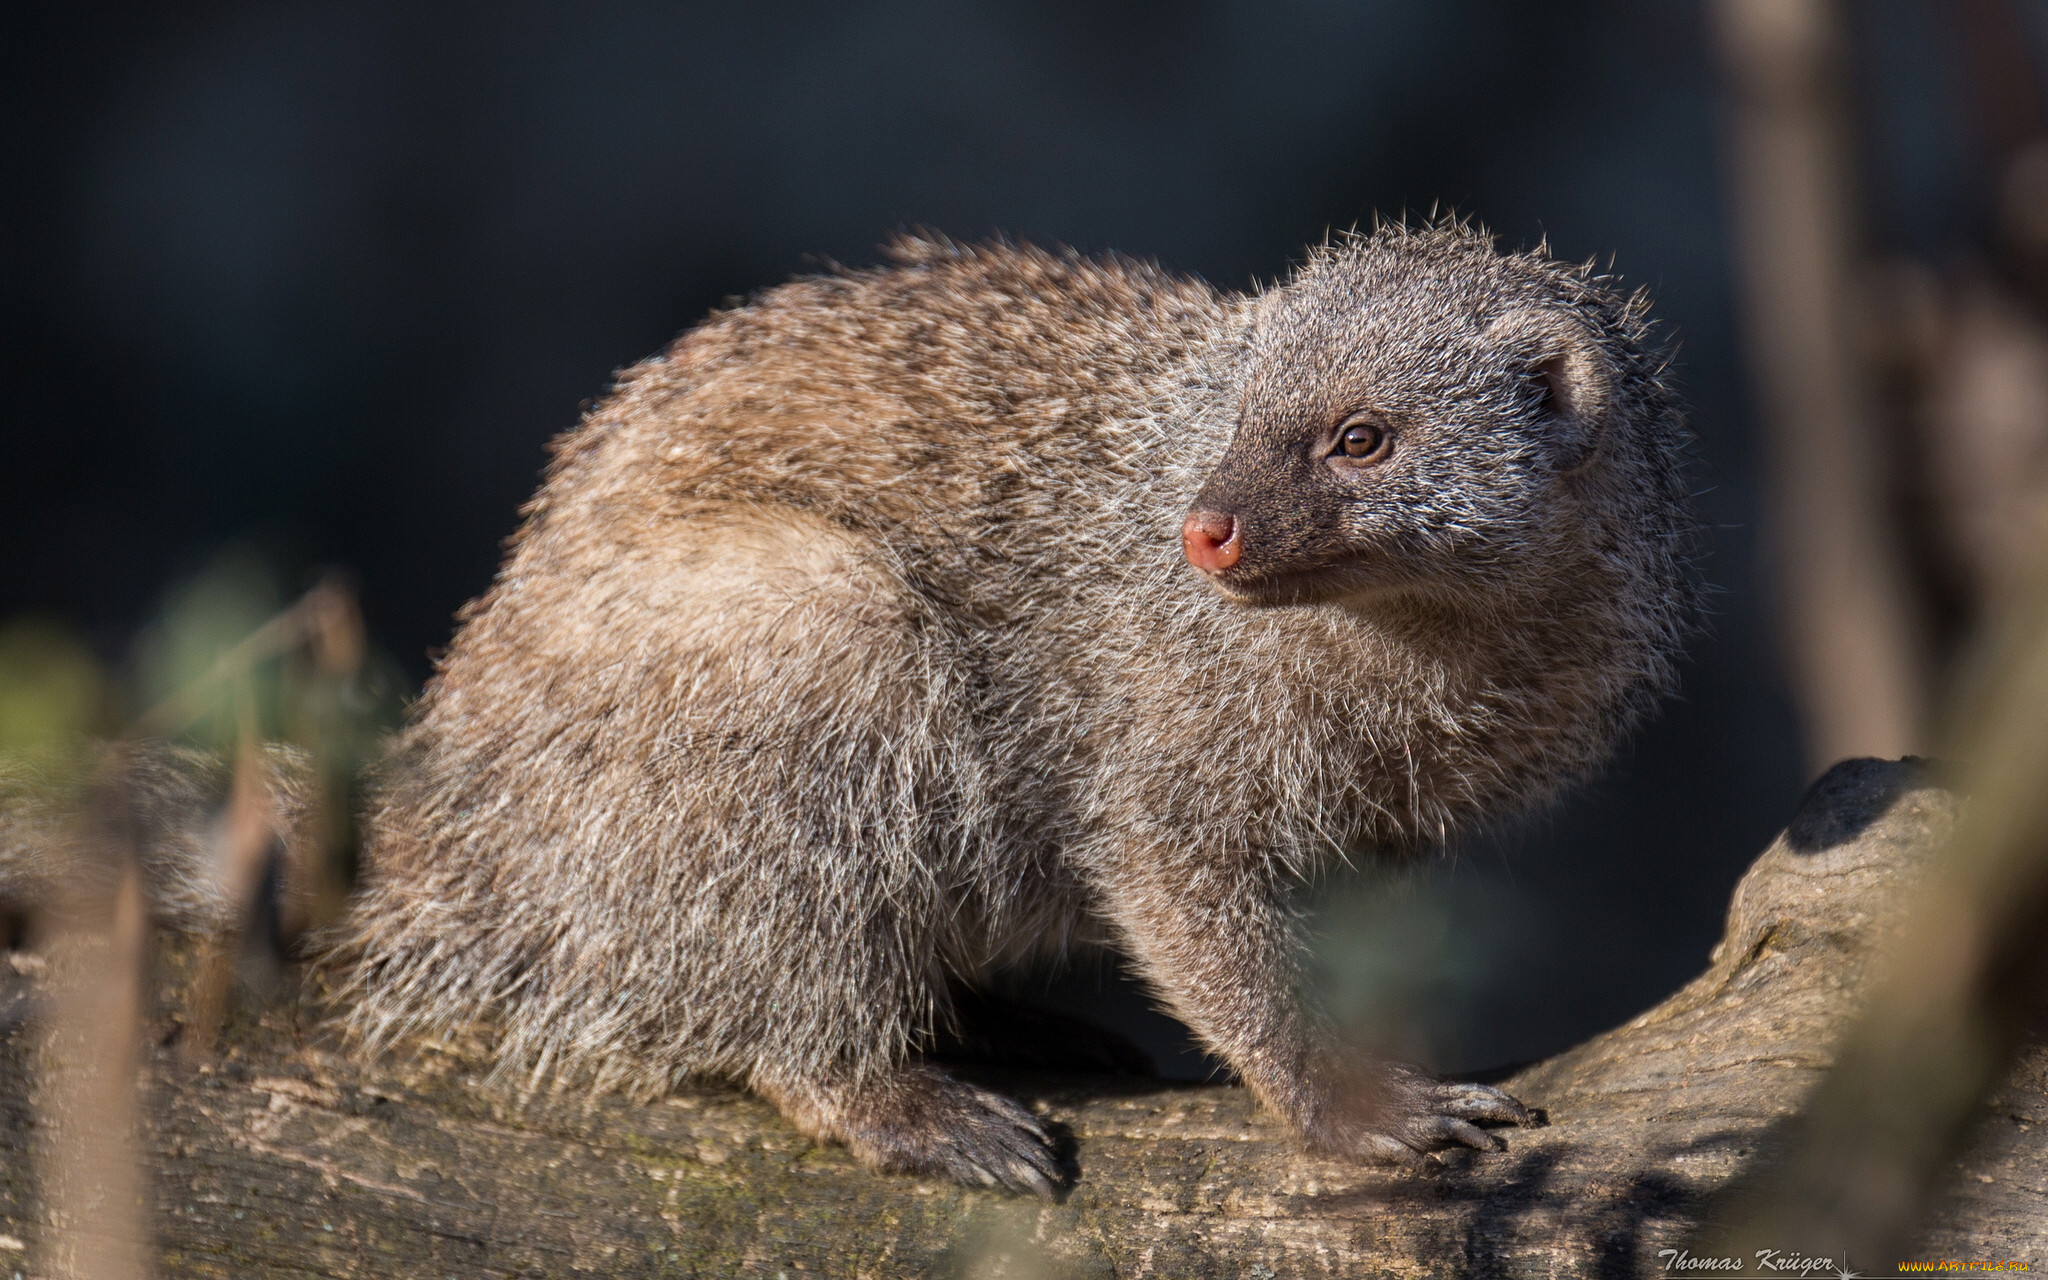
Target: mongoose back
(903, 624)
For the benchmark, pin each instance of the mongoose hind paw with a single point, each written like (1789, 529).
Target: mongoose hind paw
(916, 1119)
(970, 1135)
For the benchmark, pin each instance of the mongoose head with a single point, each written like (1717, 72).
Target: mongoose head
(1422, 414)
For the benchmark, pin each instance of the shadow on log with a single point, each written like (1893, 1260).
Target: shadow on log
(282, 1157)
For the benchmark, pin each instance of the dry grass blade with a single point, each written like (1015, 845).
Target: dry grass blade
(244, 846)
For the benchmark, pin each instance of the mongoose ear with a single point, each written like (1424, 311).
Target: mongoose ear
(1566, 378)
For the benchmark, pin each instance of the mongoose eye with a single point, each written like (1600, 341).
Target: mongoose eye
(1364, 439)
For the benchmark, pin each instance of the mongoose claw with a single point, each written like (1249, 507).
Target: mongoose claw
(1483, 1102)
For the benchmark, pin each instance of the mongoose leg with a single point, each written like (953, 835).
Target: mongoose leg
(1218, 946)
(917, 1119)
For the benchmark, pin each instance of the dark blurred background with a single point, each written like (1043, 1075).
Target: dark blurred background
(320, 281)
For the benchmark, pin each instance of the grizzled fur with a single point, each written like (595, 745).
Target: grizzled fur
(849, 650)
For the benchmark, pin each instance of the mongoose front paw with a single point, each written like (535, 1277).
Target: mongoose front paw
(1417, 1116)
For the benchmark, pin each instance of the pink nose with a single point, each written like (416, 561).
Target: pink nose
(1209, 540)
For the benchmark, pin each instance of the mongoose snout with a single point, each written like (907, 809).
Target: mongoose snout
(745, 763)
(1209, 540)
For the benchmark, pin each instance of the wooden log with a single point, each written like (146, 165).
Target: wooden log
(282, 1156)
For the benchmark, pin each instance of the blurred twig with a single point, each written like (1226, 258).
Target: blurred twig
(92, 1178)
(245, 843)
(1855, 652)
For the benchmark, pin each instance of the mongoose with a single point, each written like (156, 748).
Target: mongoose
(904, 624)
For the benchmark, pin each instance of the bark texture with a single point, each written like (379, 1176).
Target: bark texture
(279, 1156)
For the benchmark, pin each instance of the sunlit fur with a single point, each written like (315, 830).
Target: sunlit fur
(848, 648)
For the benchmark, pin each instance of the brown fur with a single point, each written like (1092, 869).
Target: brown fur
(848, 651)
